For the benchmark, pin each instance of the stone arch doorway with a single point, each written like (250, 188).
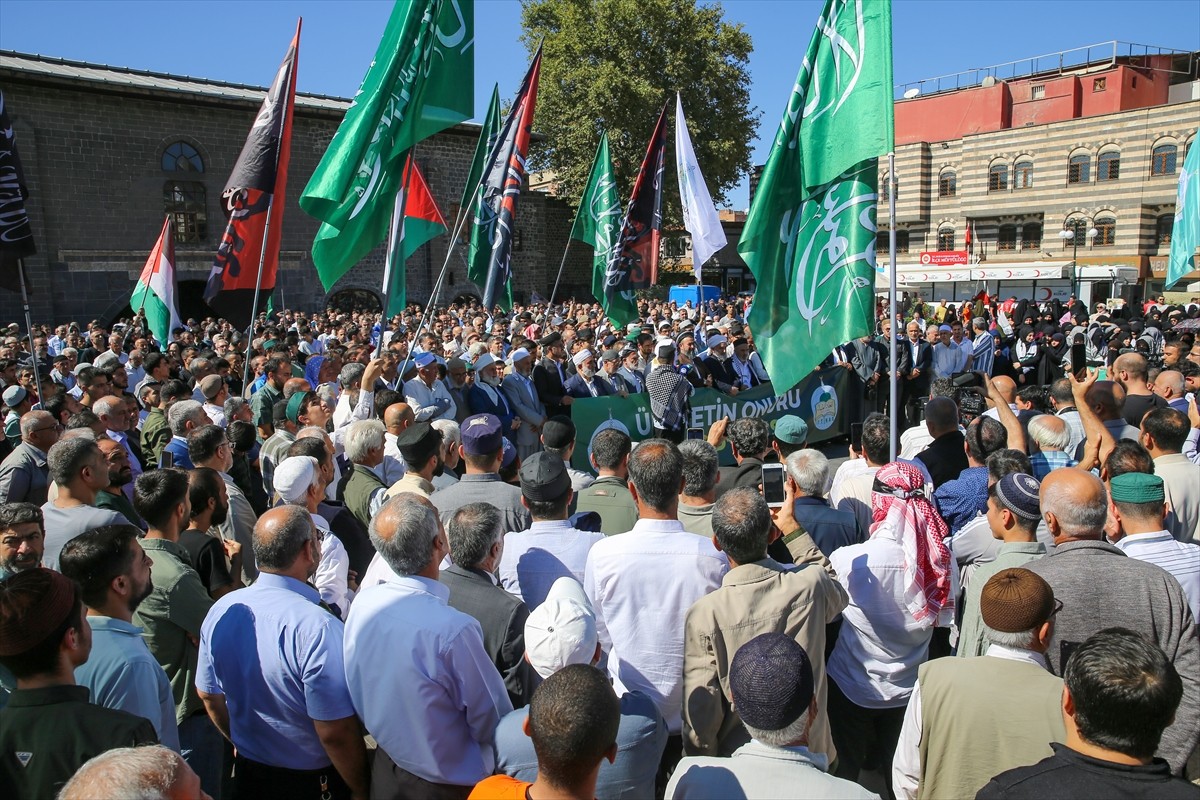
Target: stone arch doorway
(355, 299)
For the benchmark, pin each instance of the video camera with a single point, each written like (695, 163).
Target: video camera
(969, 395)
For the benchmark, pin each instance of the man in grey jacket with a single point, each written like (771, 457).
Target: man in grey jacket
(522, 396)
(24, 475)
(1100, 587)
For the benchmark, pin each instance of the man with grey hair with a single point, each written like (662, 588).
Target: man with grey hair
(150, 771)
(476, 538)
(80, 470)
(970, 719)
(1101, 588)
(808, 474)
(701, 472)
(438, 681)
(118, 423)
(183, 417)
(451, 441)
(758, 595)
(235, 409)
(296, 719)
(357, 399)
(364, 449)
(24, 475)
(1051, 438)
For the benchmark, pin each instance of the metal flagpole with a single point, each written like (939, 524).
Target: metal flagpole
(262, 260)
(893, 400)
(37, 375)
(389, 263)
(561, 264)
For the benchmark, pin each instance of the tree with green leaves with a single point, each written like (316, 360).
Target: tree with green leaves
(610, 65)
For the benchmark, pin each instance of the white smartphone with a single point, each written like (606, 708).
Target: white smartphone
(774, 491)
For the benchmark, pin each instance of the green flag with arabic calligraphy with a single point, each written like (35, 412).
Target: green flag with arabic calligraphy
(809, 238)
(596, 224)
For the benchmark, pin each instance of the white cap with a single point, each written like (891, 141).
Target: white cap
(562, 630)
(581, 356)
(518, 355)
(713, 341)
(293, 476)
(485, 360)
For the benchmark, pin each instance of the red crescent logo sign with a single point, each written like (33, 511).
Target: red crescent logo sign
(1008, 273)
(926, 258)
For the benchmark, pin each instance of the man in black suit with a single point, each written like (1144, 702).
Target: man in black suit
(476, 534)
(916, 369)
(717, 363)
(945, 457)
(549, 376)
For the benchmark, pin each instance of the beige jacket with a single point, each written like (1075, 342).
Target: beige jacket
(762, 597)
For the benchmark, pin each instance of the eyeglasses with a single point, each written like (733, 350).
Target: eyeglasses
(1058, 606)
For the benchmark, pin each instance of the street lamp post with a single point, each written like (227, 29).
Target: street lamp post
(1068, 235)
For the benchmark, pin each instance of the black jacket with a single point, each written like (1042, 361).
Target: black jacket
(549, 385)
(945, 457)
(1067, 775)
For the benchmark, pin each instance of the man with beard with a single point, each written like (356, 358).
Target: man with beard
(688, 365)
(120, 475)
(522, 395)
(634, 377)
(113, 572)
(209, 501)
(22, 538)
(717, 362)
(457, 381)
(293, 728)
(485, 397)
(428, 396)
(584, 384)
(549, 376)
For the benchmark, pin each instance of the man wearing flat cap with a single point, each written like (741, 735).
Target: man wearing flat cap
(1013, 514)
(425, 394)
(550, 376)
(970, 719)
(49, 729)
(551, 548)
(772, 684)
(482, 452)
(1138, 508)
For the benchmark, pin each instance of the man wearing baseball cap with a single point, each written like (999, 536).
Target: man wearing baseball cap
(482, 451)
(970, 719)
(561, 632)
(48, 729)
(18, 401)
(771, 680)
(1013, 514)
(428, 396)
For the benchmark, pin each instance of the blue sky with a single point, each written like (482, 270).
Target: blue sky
(244, 41)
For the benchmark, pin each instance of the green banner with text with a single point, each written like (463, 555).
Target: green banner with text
(825, 400)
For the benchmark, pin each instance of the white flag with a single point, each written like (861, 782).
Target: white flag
(699, 214)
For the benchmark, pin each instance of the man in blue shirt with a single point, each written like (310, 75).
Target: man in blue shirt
(114, 573)
(271, 676)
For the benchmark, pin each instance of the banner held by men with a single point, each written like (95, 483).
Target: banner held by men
(502, 178)
(700, 217)
(596, 225)
(420, 82)
(634, 262)
(809, 238)
(254, 197)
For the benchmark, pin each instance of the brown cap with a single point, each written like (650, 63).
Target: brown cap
(1016, 600)
(210, 386)
(33, 604)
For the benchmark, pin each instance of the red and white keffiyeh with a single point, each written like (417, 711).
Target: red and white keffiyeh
(898, 502)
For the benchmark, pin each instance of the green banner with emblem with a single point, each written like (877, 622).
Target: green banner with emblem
(828, 400)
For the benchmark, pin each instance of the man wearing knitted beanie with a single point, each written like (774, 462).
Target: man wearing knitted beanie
(970, 719)
(48, 729)
(1013, 513)
(771, 680)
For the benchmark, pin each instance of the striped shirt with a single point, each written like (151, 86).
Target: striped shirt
(1181, 559)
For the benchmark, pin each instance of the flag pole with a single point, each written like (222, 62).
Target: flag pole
(262, 260)
(561, 264)
(893, 400)
(37, 375)
(389, 263)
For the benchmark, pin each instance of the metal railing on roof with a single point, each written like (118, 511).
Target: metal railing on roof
(1064, 61)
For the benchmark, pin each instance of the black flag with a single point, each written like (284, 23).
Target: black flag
(16, 235)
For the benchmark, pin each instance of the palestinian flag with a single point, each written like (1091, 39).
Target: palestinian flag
(422, 222)
(254, 195)
(154, 294)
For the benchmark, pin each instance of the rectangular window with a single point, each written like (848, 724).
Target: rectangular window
(1039, 91)
(1099, 84)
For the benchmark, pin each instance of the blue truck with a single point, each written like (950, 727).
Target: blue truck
(682, 294)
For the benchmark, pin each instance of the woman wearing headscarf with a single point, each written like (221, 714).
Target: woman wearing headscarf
(901, 585)
(1055, 356)
(1025, 354)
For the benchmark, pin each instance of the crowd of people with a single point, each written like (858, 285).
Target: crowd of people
(367, 562)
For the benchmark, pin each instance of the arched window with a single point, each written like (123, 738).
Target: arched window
(1007, 240)
(946, 238)
(1031, 236)
(885, 188)
(947, 183)
(1079, 225)
(1106, 228)
(1108, 165)
(998, 177)
(1162, 159)
(181, 157)
(1079, 168)
(1162, 229)
(185, 202)
(1023, 174)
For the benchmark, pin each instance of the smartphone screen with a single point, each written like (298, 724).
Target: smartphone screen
(856, 436)
(1078, 360)
(168, 459)
(695, 433)
(773, 489)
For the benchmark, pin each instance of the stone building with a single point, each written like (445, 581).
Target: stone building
(1089, 141)
(108, 151)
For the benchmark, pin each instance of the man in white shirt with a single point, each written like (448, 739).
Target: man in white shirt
(947, 357)
(1137, 506)
(426, 395)
(851, 489)
(396, 420)
(434, 706)
(642, 583)
(1164, 432)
